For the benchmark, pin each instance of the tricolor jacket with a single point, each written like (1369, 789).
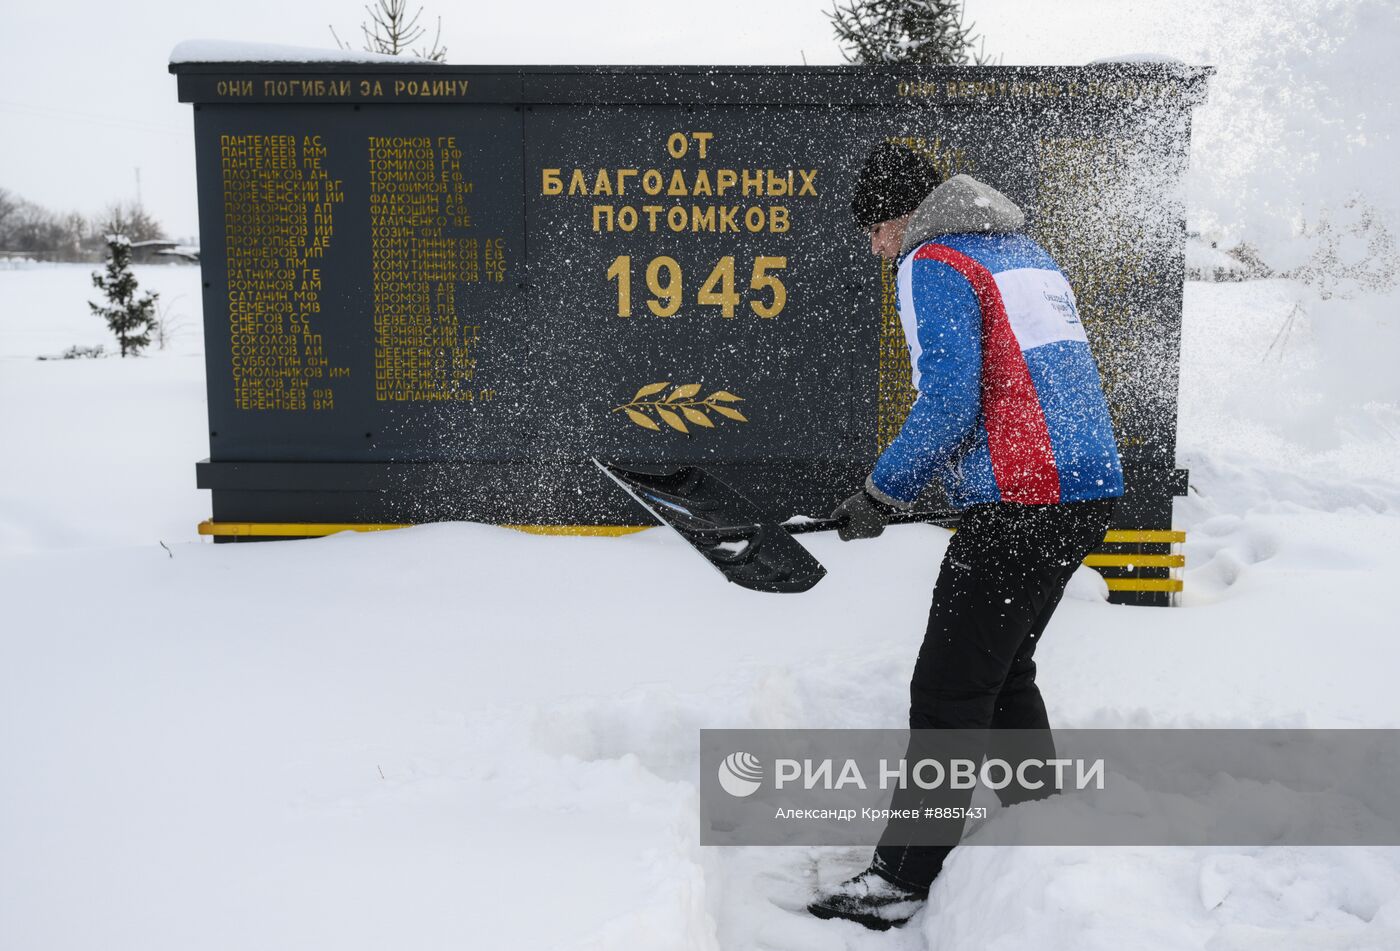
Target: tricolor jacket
(1009, 405)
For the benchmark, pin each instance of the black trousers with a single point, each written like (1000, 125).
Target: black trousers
(1001, 579)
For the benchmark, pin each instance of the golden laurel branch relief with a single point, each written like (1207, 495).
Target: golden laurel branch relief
(678, 406)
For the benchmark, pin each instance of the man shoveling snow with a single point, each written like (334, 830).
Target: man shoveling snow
(1011, 417)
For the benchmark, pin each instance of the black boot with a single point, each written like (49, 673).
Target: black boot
(871, 900)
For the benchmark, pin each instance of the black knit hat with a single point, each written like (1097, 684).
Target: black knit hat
(893, 182)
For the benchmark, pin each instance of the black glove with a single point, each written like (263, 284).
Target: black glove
(860, 516)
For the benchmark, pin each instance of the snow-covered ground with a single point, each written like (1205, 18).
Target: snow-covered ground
(461, 736)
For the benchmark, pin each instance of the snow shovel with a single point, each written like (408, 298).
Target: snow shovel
(728, 529)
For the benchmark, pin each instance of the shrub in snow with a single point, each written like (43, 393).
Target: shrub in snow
(127, 316)
(76, 352)
(1296, 149)
(1296, 152)
(80, 352)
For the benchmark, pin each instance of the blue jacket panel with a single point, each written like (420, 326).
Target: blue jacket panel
(986, 315)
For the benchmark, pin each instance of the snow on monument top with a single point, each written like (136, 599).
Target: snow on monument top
(234, 51)
(1138, 58)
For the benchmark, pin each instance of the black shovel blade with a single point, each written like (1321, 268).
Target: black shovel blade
(721, 524)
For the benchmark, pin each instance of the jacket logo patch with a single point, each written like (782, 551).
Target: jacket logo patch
(1064, 305)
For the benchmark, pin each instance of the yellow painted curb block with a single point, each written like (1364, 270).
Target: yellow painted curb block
(1144, 535)
(1143, 584)
(1135, 561)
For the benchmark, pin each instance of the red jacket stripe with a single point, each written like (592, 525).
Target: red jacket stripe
(1023, 461)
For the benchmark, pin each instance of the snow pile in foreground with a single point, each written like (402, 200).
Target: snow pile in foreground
(458, 735)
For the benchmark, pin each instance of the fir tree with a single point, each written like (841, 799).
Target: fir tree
(903, 31)
(392, 31)
(130, 319)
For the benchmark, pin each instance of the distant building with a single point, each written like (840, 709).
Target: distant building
(163, 252)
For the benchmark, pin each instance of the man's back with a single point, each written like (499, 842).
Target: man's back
(1010, 408)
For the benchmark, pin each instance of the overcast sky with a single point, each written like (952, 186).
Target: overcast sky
(86, 98)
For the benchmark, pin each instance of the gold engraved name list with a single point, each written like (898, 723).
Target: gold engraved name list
(279, 206)
(424, 350)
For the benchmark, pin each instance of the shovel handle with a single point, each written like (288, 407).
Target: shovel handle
(944, 518)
